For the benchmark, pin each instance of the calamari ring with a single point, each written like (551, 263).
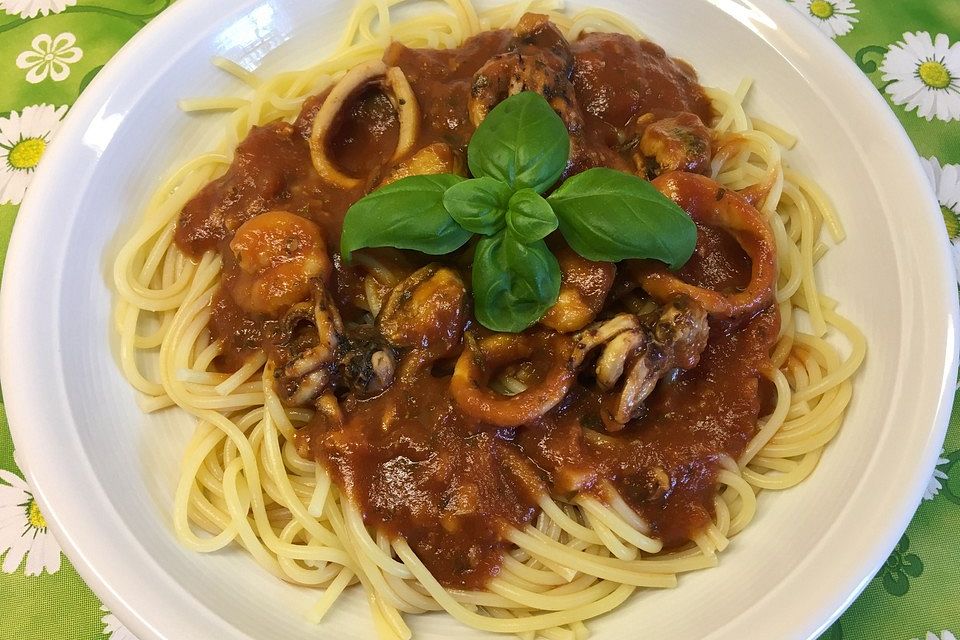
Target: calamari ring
(480, 360)
(398, 91)
(708, 202)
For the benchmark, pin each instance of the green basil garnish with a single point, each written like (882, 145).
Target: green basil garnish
(406, 214)
(478, 205)
(529, 216)
(513, 283)
(521, 143)
(518, 152)
(610, 215)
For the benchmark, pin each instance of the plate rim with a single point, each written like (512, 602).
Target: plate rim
(22, 399)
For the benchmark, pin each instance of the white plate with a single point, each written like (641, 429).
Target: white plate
(104, 474)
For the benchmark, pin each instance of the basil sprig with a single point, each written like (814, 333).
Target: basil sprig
(478, 205)
(611, 215)
(516, 154)
(406, 214)
(521, 143)
(513, 283)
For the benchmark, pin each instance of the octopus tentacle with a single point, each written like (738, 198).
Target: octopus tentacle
(612, 361)
(639, 354)
(302, 374)
(601, 333)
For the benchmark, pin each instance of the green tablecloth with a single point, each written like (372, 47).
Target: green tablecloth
(910, 49)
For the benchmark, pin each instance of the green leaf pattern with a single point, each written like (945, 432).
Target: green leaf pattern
(915, 594)
(899, 568)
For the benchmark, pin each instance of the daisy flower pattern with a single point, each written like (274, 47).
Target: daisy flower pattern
(924, 74)
(24, 137)
(833, 17)
(944, 635)
(945, 181)
(934, 486)
(30, 8)
(113, 629)
(50, 57)
(23, 530)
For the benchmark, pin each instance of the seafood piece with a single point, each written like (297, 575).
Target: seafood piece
(529, 66)
(305, 355)
(278, 255)
(638, 355)
(315, 354)
(431, 160)
(707, 202)
(427, 310)
(584, 285)
(677, 143)
(397, 89)
(481, 359)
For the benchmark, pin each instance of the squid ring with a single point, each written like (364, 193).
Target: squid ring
(480, 360)
(401, 96)
(708, 202)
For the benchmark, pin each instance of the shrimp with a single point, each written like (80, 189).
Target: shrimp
(584, 285)
(432, 159)
(278, 254)
(427, 310)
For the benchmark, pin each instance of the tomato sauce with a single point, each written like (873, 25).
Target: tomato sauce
(417, 466)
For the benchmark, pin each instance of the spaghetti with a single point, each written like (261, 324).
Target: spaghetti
(244, 478)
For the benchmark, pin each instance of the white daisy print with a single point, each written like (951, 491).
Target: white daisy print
(113, 629)
(924, 74)
(24, 137)
(23, 530)
(832, 17)
(50, 57)
(944, 635)
(30, 8)
(935, 484)
(945, 181)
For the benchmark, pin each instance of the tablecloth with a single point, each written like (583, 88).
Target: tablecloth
(909, 49)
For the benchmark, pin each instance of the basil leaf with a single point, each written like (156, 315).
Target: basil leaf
(513, 284)
(406, 214)
(478, 205)
(610, 215)
(521, 142)
(530, 217)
